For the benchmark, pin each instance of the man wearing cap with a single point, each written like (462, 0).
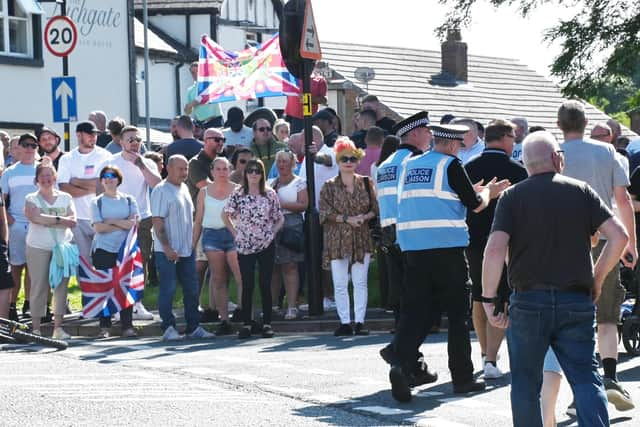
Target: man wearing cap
(78, 176)
(16, 182)
(324, 119)
(433, 194)
(264, 145)
(495, 161)
(49, 143)
(415, 138)
(208, 115)
(236, 132)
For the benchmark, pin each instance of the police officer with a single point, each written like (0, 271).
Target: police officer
(433, 195)
(415, 138)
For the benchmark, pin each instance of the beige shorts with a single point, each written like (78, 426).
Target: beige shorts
(613, 293)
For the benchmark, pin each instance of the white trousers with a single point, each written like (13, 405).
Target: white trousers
(340, 275)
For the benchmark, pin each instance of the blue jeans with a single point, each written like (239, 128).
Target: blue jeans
(168, 272)
(565, 321)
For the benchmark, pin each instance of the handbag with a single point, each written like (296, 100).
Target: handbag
(292, 239)
(374, 223)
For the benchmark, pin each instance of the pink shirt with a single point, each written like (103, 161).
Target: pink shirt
(371, 156)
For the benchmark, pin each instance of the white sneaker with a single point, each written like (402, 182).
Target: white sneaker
(292, 313)
(492, 372)
(141, 313)
(170, 334)
(60, 334)
(116, 317)
(231, 306)
(328, 304)
(201, 333)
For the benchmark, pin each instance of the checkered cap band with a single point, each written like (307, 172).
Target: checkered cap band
(437, 133)
(410, 126)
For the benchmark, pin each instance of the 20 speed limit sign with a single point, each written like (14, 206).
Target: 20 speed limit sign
(60, 35)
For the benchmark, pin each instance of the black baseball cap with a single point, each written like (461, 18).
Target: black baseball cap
(42, 130)
(87, 127)
(26, 136)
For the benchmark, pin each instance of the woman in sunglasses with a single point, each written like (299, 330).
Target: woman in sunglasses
(253, 216)
(51, 214)
(347, 203)
(113, 214)
(217, 240)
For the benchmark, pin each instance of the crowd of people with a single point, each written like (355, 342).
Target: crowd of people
(438, 205)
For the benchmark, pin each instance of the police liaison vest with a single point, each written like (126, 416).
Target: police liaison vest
(387, 179)
(430, 213)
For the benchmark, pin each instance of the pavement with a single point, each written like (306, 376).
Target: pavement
(377, 320)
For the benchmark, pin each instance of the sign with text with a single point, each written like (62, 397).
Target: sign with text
(64, 100)
(309, 42)
(60, 35)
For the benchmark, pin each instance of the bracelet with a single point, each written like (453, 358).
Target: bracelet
(493, 300)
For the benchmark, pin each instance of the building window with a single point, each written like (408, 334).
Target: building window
(20, 32)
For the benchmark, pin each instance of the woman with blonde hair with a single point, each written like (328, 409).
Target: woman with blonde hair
(347, 203)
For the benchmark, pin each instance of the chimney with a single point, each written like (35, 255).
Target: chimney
(634, 115)
(454, 56)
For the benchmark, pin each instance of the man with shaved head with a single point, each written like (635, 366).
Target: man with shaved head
(544, 224)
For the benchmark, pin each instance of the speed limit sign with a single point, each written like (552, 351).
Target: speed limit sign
(60, 35)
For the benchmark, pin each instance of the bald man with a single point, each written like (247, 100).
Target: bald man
(545, 223)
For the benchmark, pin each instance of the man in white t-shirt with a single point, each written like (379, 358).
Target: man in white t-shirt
(140, 175)
(78, 176)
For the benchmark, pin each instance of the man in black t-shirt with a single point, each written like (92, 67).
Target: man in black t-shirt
(545, 223)
(494, 162)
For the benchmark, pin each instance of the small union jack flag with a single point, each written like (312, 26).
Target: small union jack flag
(106, 292)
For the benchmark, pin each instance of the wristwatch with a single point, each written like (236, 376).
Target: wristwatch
(344, 218)
(57, 219)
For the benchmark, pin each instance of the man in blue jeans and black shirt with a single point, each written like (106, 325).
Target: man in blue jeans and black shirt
(544, 224)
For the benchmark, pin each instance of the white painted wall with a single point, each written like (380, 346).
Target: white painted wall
(200, 24)
(99, 63)
(171, 24)
(161, 88)
(248, 10)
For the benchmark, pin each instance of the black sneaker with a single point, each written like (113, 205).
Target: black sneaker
(617, 395)
(267, 331)
(26, 311)
(245, 332)
(48, 317)
(209, 316)
(471, 386)
(344, 330)
(236, 316)
(224, 328)
(360, 330)
(388, 354)
(422, 375)
(255, 327)
(400, 389)
(13, 313)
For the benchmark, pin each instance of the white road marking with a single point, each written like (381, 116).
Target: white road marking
(434, 422)
(466, 402)
(383, 410)
(325, 372)
(287, 390)
(329, 399)
(368, 381)
(246, 378)
(202, 371)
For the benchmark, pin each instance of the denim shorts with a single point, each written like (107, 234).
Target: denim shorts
(551, 363)
(219, 239)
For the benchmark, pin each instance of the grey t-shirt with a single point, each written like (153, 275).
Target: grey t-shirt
(595, 163)
(121, 207)
(174, 205)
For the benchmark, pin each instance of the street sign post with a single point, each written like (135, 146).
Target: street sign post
(60, 35)
(64, 99)
(309, 42)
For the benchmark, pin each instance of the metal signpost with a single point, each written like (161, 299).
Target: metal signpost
(60, 37)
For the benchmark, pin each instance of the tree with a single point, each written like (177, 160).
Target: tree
(599, 46)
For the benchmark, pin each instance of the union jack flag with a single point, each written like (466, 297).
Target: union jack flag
(106, 292)
(256, 72)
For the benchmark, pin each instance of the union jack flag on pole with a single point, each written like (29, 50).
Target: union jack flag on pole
(249, 74)
(106, 292)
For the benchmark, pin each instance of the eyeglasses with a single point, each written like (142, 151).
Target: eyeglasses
(109, 175)
(263, 129)
(217, 138)
(134, 139)
(27, 145)
(351, 159)
(559, 152)
(254, 171)
(242, 161)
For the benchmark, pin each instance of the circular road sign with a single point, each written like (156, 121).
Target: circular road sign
(60, 35)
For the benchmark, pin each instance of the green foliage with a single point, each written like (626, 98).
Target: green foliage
(600, 45)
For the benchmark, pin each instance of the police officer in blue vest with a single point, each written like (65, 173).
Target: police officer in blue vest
(434, 193)
(415, 138)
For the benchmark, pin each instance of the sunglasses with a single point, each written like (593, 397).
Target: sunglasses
(242, 161)
(254, 171)
(263, 129)
(109, 175)
(217, 138)
(351, 159)
(134, 139)
(28, 145)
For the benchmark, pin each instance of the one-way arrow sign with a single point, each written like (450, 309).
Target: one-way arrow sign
(309, 42)
(64, 99)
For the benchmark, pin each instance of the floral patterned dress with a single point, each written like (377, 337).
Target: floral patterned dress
(341, 240)
(254, 217)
